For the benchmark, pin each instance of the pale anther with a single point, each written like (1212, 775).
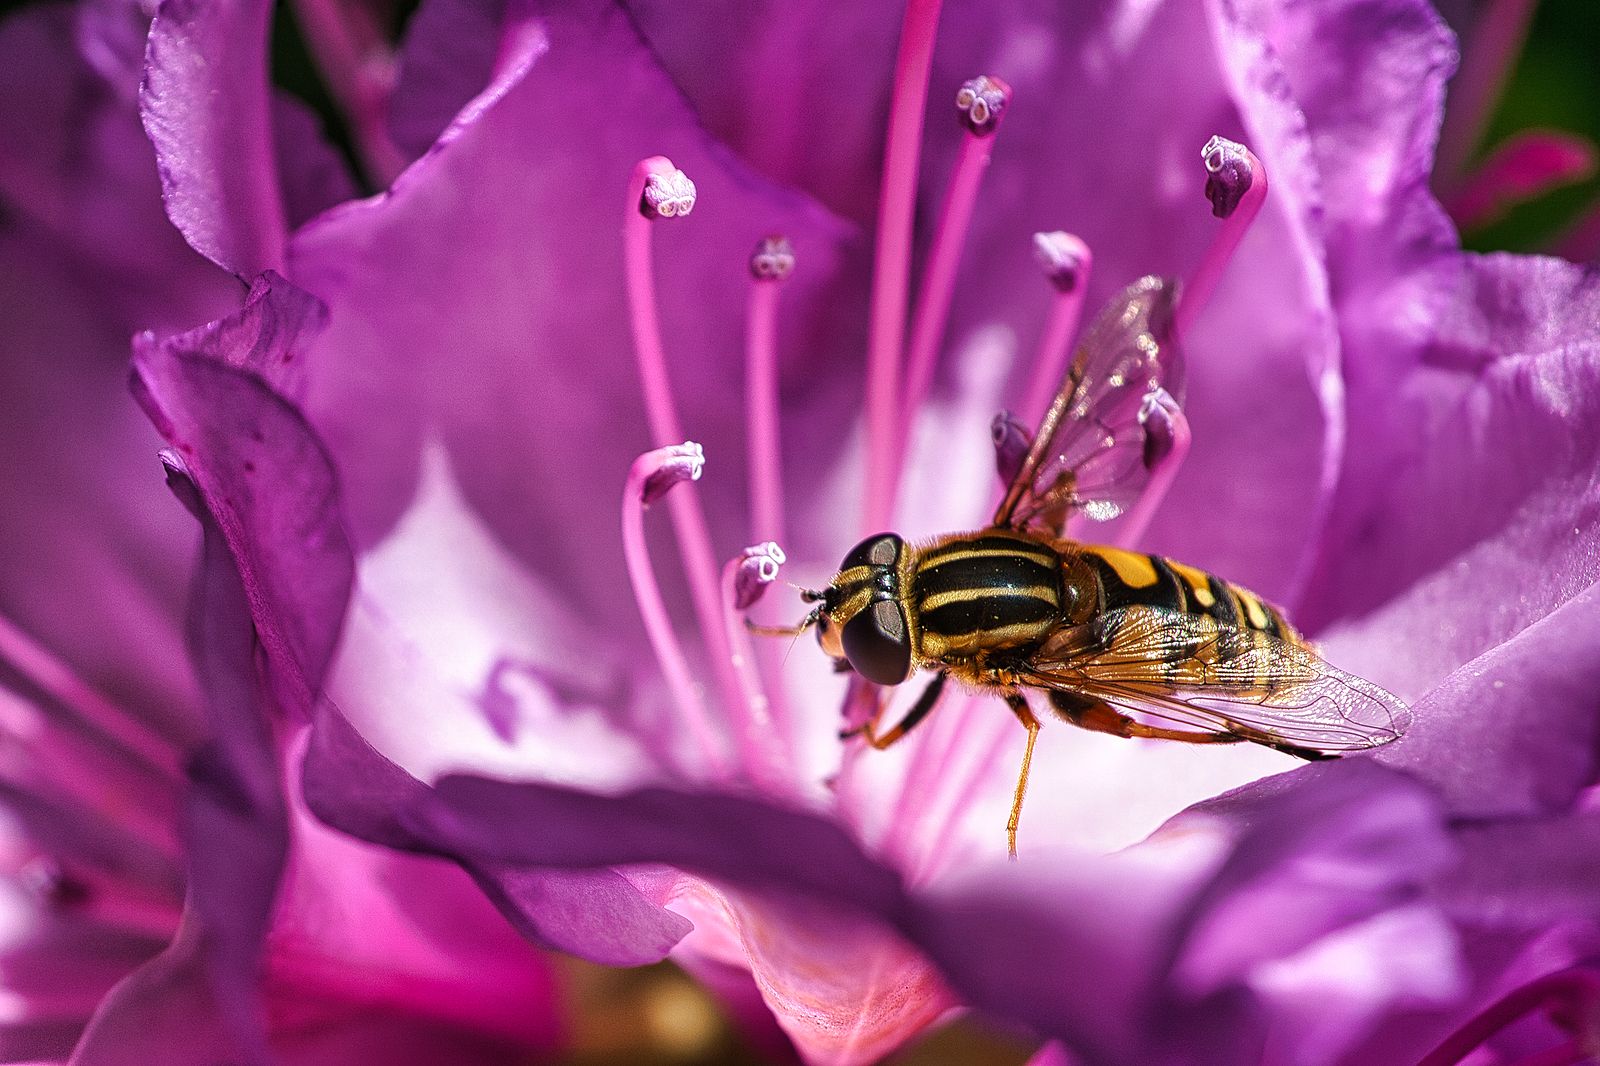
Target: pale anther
(1158, 417)
(1062, 257)
(669, 194)
(773, 259)
(1011, 442)
(673, 464)
(982, 101)
(1228, 174)
(758, 568)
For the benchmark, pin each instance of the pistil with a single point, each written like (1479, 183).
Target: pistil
(649, 479)
(981, 103)
(660, 190)
(892, 255)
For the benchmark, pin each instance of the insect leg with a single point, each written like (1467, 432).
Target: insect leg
(1019, 707)
(1097, 716)
(919, 710)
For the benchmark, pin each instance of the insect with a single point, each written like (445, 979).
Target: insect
(1115, 641)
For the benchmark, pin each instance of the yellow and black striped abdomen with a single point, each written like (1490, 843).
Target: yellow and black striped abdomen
(1129, 579)
(985, 592)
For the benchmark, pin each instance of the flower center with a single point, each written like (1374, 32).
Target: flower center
(743, 726)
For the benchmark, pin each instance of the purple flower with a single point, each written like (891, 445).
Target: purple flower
(1388, 436)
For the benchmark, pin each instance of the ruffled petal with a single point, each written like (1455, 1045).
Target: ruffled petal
(1482, 521)
(595, 914)
(206, 103)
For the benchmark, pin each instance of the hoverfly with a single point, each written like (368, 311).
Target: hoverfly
(1116, 641)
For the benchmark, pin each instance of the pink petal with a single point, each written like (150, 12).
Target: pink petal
(206, 104)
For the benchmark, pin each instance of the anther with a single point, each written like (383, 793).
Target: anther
(1063, 257)
(1011, 441)
(1159, 415)
(671, 465)
(982, 102)
(772, 260)
(758, 568)
(1228, 174)
(47, 882)
(668, 193)
(1166, 446)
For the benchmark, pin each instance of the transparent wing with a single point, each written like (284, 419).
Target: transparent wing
(1194, 672)
(1093, 452)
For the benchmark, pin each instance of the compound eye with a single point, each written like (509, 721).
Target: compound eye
(877, 644)
(881, 550)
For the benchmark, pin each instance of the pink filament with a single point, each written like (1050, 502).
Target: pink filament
(356, 64)
(1491, 52)
(891, 271)
(939, 283)
(1132, 528)
(761, 404)
(59, 682)
(1055, 346)
(688, 518)
(761, 747)
(647, 592)
(1203, 283)
(1577, 989)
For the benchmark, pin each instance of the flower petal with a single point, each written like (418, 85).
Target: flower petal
(1514, 731)
(265, 476)
(595, 914)
(1488, 479)
(206, 104)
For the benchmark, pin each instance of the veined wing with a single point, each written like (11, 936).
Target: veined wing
(1195, 672)
(1093, 452)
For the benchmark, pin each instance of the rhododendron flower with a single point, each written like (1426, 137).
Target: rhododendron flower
(409, 437)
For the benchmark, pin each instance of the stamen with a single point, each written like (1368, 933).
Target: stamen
(1236, 185)
(61, 683)
(649, 478)
(982, 98)
(1578, 990)
(891, 268)
(1166, 445)
(744, 579)
(1067, 263)
(770, 263)
(660, 190)
(1486, 64)
(756, 568)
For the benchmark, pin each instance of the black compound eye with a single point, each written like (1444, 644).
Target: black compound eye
(877, 644)
(881, 550)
